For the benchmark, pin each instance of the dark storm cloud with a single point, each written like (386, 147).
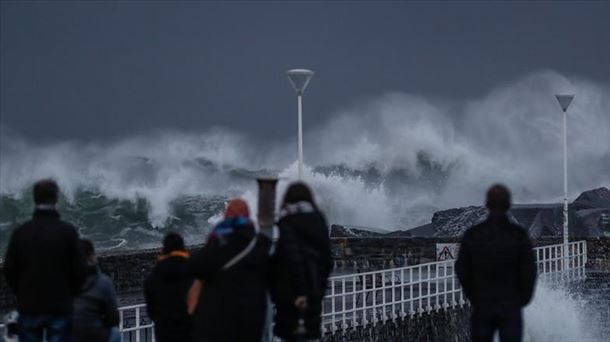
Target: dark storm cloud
(94, 70)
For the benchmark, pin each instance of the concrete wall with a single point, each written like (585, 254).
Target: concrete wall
(128, 270)
(598, 254)
(386, 252)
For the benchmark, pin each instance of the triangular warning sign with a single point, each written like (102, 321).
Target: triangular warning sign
(445, 254)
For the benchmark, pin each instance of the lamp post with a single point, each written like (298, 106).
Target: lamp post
(564, 103)
(300, 79)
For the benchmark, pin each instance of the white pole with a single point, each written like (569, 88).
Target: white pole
(299, 79)
(300, 101)
(565, 187)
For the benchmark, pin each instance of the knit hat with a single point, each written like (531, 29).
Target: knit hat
(237, 208)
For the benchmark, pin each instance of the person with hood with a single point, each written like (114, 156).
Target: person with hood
(166, 289)
(302, 265)
(96, 316)
(45, 268)
(232, 268)
(497, 270)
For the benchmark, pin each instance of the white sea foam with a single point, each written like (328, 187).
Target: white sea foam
(511, 135)
(557, 315)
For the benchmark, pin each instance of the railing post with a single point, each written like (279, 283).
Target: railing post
(445, 285)
(585, 253)
(354, 312)
(420, 309)
(402, 293)
(343, 298)
(429, 306)
(411, 301)
(333, 327)
(137, 324)
(374, 280)
(453, 301)
(383, 297)
(364, 304)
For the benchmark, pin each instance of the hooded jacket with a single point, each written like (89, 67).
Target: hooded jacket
(95, 308)
(165, 291)
(233, 266)
(301, 266)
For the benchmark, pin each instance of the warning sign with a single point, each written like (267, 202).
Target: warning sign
(447, 251)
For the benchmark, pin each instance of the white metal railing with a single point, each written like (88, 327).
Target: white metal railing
(367, 298)
(553, 267)
(135, 324)
(370, 297)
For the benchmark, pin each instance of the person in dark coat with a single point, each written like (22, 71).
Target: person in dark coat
(45, 268)
(497, 270)
(96, 316)
(166, 289)
(232, 267)
(302, 265)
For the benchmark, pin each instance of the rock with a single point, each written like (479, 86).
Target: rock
(339, 231)
(548, 222)
(592, 199)
(454, 222)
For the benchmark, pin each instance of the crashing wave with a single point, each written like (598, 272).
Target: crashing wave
(388, 163)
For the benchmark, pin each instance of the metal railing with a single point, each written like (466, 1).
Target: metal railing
(364, 298)
(367, 298)
(554, 267)
(135, 325)
(370, 297)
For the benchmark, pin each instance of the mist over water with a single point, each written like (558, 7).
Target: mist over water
(388, 162)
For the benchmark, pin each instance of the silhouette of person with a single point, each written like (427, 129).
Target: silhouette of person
(232, 268)
(166, 289)
(96, 315)
(497, 270)
(302, 265)
(45, 267)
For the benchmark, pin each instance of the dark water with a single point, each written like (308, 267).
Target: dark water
(117, 224)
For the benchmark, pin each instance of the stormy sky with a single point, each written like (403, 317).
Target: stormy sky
(98, 71)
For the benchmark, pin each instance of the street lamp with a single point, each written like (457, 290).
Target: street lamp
(300, 79)
(564, 103)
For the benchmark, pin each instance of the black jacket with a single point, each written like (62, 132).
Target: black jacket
(95, 308)
(45, 266)
(165, 290)
(233, 301)
(302, 265)
(496, 263)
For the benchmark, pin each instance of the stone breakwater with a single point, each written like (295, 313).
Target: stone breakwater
(128, 270)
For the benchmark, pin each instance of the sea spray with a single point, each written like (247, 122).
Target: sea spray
(558, 314)
(388, 163)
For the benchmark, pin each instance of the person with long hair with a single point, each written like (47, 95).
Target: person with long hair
(302, 264)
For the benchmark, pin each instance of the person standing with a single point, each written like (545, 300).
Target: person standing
(45, 268)
(166, 289)
(497, 270)
(232, 268)
(302, 265)
(96, 316)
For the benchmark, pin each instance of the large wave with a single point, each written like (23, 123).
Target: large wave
(388, 162)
